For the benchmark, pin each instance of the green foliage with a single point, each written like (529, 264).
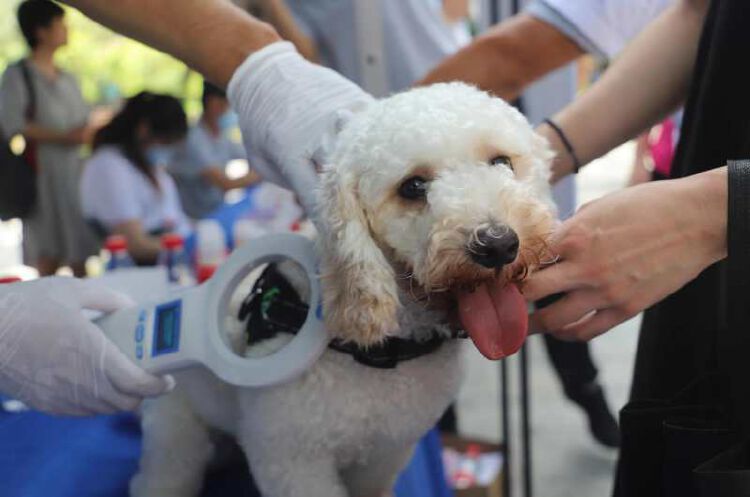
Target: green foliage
(107, 65)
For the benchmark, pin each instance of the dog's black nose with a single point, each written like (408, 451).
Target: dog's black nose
(494, 246)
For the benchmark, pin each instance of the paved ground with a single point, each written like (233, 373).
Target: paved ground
(567, 462)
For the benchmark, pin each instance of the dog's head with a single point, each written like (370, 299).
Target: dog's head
(428, 191)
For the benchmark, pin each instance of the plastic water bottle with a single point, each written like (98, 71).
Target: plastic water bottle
(116, 253)
(211, 248)
(172, 258)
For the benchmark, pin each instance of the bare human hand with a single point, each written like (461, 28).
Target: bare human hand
(624, 252)
(80, 136)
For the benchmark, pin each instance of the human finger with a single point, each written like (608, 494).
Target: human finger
(569, 309)
(591, 327)
(99, 405)
(129, 379)
(122, 402)
(101, 298)
(557, 278)
(65, 407)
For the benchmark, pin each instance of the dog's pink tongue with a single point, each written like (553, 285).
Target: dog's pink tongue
(495, 318)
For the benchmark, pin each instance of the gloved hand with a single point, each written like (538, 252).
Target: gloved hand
(54, 359)
(290, 112)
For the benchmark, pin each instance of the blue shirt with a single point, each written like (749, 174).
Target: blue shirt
(200, 151)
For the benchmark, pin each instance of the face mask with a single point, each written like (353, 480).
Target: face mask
(159, 155)
(228, 120)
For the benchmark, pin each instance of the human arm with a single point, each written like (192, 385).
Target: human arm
(290, 114)
(289, 108)
(14, 100)
(111, 195)
(660, 60)
(217, 177)
(279, 15)
(41, 134)
(54, 359)
(198, 158)
(617, 257)
(509, 57)
(212, 37)
(142, 247)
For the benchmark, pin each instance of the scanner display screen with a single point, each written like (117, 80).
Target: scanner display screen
(167, 328)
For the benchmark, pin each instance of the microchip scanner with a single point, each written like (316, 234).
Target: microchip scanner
(184, 329)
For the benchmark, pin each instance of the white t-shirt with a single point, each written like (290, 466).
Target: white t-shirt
(415, 36)
(114, 191)
(607, 25)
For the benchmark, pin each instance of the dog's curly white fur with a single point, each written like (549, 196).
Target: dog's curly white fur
(343, 429)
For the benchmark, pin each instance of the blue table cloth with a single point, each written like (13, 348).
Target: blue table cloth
(46, 456)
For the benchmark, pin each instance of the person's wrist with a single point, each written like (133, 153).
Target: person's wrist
(72, 137)
(706, 196)
(562, 163)
(248, 35)
(254, 64)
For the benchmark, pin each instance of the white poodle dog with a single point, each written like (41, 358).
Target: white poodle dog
(435, 202)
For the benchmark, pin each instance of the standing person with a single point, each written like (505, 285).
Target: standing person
(505, 61)
(199, 164)
(54, 233)
(125, 188)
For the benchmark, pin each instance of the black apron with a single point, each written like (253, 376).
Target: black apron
(689, 415)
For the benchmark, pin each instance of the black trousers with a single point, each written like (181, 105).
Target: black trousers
(572, 362)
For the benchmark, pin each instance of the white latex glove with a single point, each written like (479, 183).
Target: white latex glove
(54, 359)
(290, 112)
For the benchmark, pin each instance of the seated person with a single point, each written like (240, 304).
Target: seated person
(198, 166)
(124, 188)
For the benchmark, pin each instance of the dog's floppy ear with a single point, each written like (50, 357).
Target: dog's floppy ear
(359, 287)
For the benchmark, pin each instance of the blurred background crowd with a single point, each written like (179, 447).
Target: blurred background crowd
(135, 154)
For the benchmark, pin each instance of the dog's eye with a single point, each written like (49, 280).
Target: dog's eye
(501, 160)
(414, 188)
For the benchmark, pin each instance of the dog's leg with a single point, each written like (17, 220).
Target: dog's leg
(298, 478)
(281, 474)
(176, 450)
(377, 477)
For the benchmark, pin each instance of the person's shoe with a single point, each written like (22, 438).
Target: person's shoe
(602, 423)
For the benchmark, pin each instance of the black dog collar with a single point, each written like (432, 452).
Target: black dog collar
(273, 307)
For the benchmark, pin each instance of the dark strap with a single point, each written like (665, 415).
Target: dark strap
(734, 342)
(388, 354)
(566, 143)
(30, 113)
(30, 153)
